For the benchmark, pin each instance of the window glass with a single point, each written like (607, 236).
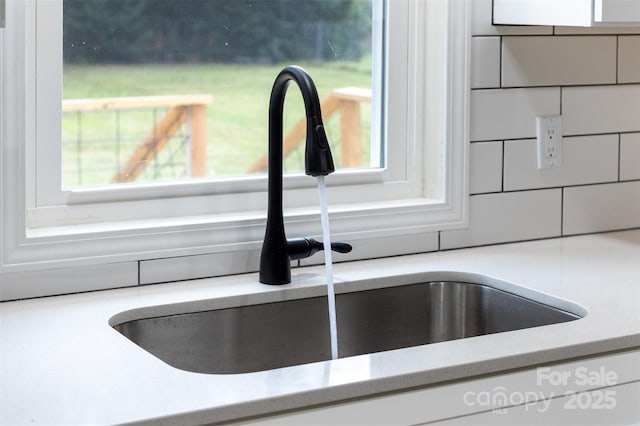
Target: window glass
(164, 90)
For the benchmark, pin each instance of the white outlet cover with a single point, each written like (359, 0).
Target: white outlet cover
(549, 141)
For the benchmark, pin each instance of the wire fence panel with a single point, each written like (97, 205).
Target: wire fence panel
(133, 139)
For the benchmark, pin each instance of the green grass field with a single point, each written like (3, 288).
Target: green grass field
(237, 117)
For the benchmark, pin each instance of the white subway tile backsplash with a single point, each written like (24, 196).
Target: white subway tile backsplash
(596, 30)
(549, 61)
(27, 284)
(599, 208)
(198, 266)
(630, 156)
(482, 17)
(510, 113)
(585, 159)
(601, 109)
(485, 167)
(548, 71)
(485, 62)
(629, 59)
(509, 216)
(372, 247)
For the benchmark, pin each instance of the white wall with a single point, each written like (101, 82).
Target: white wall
(592, 78)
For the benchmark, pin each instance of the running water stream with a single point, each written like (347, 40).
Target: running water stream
(331, 296)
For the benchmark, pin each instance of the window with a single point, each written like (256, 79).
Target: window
(174, 89)
(413, 180)
(236, 141)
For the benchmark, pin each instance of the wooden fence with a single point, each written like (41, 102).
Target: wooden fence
(182, 109)
(192, 110)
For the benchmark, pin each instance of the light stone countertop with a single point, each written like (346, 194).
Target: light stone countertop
(62, 363)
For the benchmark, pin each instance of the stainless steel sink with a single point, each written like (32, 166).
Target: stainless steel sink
(272, 335)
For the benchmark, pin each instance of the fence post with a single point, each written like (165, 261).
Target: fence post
(350, 131)
(198, 116)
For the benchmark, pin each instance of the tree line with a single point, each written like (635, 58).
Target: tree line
(177, 31)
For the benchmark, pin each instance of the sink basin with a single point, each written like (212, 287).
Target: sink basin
(273, 335)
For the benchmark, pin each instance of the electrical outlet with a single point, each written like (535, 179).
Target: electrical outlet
(549, 141)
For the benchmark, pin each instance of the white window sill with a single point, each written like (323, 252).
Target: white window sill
(209, 233)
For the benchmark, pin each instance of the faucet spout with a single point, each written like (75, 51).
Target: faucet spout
(318, 159)
(275, 259)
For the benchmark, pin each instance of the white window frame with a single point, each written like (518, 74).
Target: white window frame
(44, 228)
